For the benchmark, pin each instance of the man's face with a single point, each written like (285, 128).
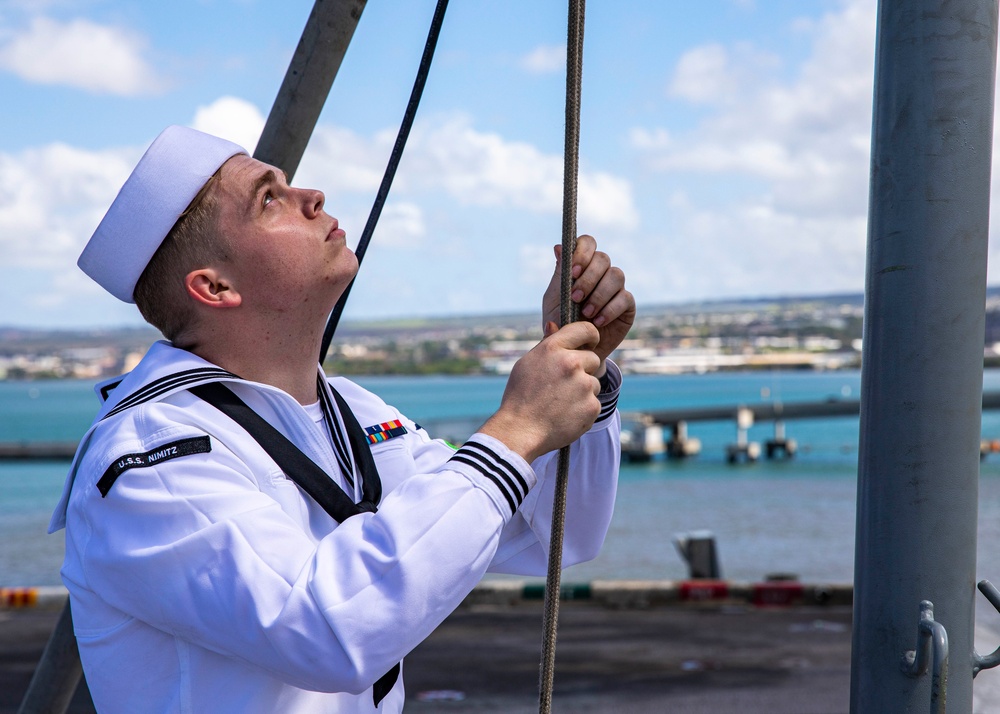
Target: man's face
(287, 252)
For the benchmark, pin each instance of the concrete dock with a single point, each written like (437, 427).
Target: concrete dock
(685, 658)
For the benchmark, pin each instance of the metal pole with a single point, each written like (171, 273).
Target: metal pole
(921, 402)
(307, 82)
(58, 672)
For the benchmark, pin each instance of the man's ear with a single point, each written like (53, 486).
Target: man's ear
(211, 288)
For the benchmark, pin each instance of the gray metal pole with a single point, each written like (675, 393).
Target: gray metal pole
(58, 672)
(921, 399)
(307, 82)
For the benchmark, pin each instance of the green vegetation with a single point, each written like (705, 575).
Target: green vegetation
(405, 365)
(779, 333)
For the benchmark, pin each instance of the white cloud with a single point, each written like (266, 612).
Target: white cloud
(402, 225)
(51, 200)
(484, 169)
(649, 140)
(447, 155)
(807, 139)
(339, 160)
(606, 201)
(231, 118)
(714, 74)
(787, 160)
(467, 188)
(545, 59)
(703, 74)
(536, 264)
(81, 54)
(52, 197)
(747, 250)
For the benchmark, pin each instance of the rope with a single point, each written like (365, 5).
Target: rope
(568, 314)
(390, 169)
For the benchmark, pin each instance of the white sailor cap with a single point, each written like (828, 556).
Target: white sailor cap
(164, 182)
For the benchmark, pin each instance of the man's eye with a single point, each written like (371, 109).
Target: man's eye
(268, 197)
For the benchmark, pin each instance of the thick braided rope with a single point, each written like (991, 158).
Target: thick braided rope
(568, 314)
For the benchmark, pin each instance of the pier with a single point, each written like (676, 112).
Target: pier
(646, 434)
(37, 450)
(641, 431)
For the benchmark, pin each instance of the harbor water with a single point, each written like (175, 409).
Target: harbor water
(794, 517)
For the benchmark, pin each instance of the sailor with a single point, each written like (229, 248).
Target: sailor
(244, 534)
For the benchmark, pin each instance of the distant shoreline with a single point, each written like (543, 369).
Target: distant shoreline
(805, 333)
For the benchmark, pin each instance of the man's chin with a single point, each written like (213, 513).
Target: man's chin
(338, 287)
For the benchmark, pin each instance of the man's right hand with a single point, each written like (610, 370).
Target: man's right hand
(551, 395)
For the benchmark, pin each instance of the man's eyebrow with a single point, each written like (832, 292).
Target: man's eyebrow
(265, 179)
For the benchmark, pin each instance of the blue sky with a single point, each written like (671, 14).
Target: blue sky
(724, 149)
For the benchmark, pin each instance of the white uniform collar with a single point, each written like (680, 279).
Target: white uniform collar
(163, 370)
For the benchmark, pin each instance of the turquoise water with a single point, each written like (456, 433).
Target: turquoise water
(795, 516)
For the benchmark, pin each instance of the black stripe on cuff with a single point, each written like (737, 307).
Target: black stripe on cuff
(502, 463)
(463, 458)
(510, 486)
(607, 409)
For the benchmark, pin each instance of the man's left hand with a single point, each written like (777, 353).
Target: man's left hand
(599, 290)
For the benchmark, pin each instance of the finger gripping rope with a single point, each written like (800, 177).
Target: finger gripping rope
(568, 314)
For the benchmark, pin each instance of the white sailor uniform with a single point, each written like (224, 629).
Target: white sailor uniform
(202, 579)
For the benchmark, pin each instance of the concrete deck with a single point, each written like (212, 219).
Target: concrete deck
(685, 659)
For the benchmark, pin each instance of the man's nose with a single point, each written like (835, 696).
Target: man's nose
(312, 201)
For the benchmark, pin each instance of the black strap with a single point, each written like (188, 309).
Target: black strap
(385, 684)
(290, 459)
(390, 169)
(307, 474)
(371, 488)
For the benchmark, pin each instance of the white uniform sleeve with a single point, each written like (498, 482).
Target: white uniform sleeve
(193, 547)
(590, 496)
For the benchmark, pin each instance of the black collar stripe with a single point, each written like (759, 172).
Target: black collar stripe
(165, 384)
(339, 442)
(108, 388)
(462, 459)
(332, 425)
(503, 463)
(493, 468)
(158, 384)
(371, 488)
(336, 435)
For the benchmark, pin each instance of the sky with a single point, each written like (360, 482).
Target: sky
(723, 152)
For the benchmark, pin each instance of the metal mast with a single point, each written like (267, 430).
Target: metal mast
(307, 82)
(921, 399)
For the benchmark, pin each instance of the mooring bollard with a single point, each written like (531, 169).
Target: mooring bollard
(699, 551)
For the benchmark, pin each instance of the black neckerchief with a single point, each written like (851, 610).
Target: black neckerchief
(296, 465)
(307, 474)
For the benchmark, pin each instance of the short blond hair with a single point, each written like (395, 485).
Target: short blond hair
(193, 242)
